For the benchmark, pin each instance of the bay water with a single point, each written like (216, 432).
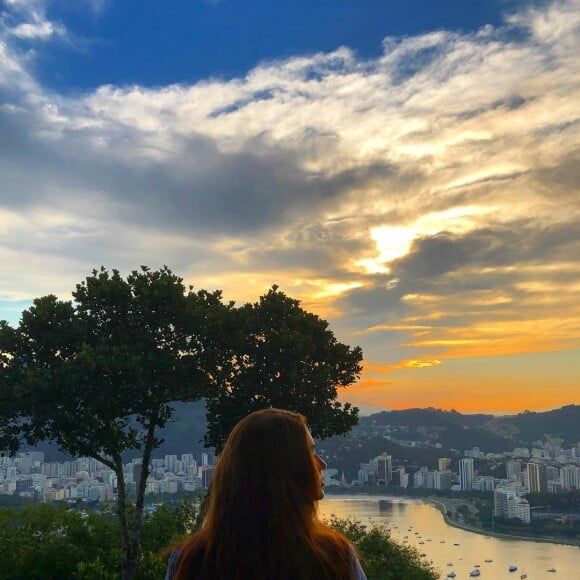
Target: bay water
(421, 525)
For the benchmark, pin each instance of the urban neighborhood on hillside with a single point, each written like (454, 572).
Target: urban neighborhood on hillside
(550, 468)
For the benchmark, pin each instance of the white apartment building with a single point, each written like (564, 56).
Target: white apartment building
(466, 473)
(570, 477)
(507, 504)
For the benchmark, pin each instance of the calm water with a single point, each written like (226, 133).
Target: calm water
(532, 558)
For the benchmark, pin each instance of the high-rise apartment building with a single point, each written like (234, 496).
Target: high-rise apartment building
(466, 473)
(443, 479)
(444, 463)
(507, 504)
(513, 469)
(206, 475)
(170, 463)
(537, 478)
(570, 477)
(384, 469)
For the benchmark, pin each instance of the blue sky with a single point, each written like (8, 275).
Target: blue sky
(408, 169)
(156, 43)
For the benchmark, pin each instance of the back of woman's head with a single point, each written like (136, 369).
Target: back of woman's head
(268, 468)
(261, 520)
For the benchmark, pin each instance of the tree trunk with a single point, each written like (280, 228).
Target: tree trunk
(204, 506)
(141, 486)
(129, 564)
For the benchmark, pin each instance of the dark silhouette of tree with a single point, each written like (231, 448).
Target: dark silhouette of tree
(283, 356)
(98, 375)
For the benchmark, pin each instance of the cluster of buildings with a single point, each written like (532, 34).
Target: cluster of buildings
(549, 469)
(86, 479)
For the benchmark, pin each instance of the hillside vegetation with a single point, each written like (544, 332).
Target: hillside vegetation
(46, 542)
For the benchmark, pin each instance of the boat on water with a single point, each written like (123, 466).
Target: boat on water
(488, 560)
(450, 563)
(456, 544)
(552, 569)
(475, 572)
(512, 568)
(451, 574)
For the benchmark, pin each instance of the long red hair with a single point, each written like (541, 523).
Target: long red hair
(261, 521)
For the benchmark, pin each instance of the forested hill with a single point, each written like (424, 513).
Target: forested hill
(489, 432)
(450, 428)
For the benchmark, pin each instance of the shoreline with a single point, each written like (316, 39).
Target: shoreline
(442, 508)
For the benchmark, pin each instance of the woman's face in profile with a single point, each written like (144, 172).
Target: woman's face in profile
(319, 462)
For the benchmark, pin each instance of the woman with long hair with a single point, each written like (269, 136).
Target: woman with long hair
(261, 522)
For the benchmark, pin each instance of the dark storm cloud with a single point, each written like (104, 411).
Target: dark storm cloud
(515, 243)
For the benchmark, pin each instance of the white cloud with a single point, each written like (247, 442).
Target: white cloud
(38, 30)
(304, 170)
(27, 20)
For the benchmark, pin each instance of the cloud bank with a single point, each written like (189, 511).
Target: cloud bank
(426, 201)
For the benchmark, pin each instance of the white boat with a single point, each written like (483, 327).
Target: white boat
(450, 563)
(451, 574)
(513, 568)
(551, 569)
(475, 572)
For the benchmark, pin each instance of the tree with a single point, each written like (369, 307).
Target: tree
(283, 356)
(98, 376)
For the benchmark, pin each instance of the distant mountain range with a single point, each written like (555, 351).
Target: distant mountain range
(449, 428)
(489, 432)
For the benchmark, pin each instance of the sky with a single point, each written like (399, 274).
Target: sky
(409, 170)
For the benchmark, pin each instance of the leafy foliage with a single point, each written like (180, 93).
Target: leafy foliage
(284, 356)
(100, 376)
(43, 542)
(381, 557)
(46, 542)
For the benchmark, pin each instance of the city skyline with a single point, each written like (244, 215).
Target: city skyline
(409, 172)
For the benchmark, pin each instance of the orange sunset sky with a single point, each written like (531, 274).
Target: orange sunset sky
(425, 199)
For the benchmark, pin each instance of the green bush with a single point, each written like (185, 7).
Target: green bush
(44, 542)
(47, 542)
(381, 557)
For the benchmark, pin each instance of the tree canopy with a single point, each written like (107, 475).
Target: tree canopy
(286, 357)
(99, 375)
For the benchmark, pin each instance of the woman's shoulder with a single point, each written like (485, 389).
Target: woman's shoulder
(359, 573)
